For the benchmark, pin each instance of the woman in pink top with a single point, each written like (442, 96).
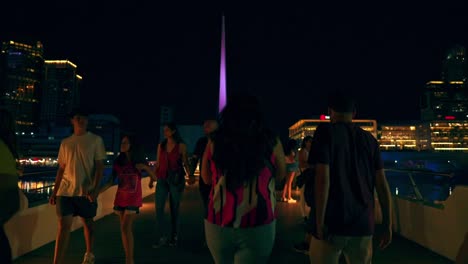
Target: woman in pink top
(128, 198)
(171, 158)
(242, 163)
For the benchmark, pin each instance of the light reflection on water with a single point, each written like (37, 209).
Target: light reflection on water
(37, 183)
(36, 186)
(37, 190)
(41, 180)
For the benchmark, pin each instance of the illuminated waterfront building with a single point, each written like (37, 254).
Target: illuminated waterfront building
(454, 66)
(21, 71)
(306, 127)
(404, 136)
(449, 135)
(448, 97)
(444, 100)
(437, 135)
(61, 91)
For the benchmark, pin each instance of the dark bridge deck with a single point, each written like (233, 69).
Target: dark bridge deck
(108, 247)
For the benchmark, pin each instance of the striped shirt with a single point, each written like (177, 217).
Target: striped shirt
(250, 205)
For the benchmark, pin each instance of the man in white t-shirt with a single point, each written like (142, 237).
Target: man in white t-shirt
(81, 165)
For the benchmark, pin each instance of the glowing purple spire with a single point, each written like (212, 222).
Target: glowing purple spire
(222, 73)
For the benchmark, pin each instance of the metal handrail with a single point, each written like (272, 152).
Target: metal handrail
(411, 172)
(421, 171)
(36, 190)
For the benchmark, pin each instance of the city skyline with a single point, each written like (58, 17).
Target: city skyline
(138, 60)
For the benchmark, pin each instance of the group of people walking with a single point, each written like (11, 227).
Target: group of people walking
(241, 160)
(240, 164)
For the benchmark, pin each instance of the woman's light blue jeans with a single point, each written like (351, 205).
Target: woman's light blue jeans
(163, 190)
(240, 245)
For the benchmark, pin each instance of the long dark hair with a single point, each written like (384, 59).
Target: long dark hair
(136, 152)
(241, 142)
(304, 141)
(290, 146)
(7, 131)
(176, 136)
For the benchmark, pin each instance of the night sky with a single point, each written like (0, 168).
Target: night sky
(146, 54)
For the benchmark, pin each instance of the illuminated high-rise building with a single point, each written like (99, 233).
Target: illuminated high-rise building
(61, 91)
(447, 99)
(454, 65)
(21, 71)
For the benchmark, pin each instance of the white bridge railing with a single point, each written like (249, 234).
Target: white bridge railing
(439, 225)
(34, 227)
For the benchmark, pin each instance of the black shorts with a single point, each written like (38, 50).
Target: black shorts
(76, 206)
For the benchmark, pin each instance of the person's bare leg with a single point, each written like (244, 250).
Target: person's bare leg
(290, 181)
(88, 230)
(63, 238)
(285, 189)
(126, 228)
(302, 203)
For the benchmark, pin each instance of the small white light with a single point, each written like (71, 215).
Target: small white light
(396, 191)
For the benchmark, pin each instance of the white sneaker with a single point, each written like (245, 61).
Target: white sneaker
(163, 241)
(88, 258)
(291, 200)
(173, 241)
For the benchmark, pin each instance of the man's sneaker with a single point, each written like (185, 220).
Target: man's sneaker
(302, 247)
(161, 243)
(88, 258)
(173, 241)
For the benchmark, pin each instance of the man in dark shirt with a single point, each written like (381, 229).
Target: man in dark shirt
(348, 168)
(209, 126)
